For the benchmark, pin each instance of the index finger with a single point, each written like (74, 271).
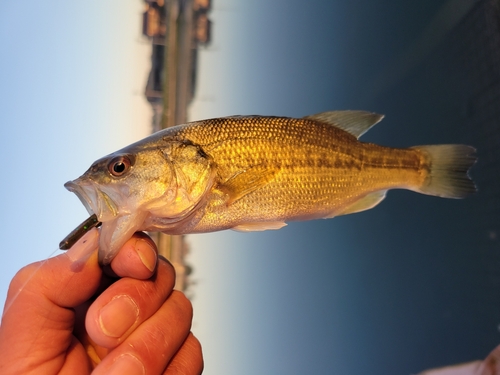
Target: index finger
(137, 258)
(126, 304)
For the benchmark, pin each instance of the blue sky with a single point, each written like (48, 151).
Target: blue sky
(386, 285)
(72, 81)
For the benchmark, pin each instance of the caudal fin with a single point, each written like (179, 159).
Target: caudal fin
(449, 166)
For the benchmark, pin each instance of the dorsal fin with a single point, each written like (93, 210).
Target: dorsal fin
(354, 122)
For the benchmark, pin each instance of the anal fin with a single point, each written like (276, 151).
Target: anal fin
(259, 226)
(365, 203)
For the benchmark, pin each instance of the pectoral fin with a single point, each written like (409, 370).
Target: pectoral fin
(259, 226)
(365, 203)
(246, 182)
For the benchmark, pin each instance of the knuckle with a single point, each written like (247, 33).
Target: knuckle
(189, 360)
(195, 345)
(183, 303)
(23, 276)
(166, 266)
(164, 279)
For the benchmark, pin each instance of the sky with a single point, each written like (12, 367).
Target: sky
(394, 290)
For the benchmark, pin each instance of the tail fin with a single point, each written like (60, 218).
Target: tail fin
(449, 166)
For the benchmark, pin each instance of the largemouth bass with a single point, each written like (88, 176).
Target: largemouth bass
(253, 173)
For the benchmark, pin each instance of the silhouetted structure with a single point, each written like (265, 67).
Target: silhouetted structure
(202, 5)
(154, 24)
(155, 79)
(202, 24)
(176, 28)
(174, 22)
(202, 30)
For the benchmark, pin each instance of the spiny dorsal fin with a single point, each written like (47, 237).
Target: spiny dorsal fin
(354, 122)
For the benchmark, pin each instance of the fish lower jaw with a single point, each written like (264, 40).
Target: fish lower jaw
(172, 225)
(114, 233)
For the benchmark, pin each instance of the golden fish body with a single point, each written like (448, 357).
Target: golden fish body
(254, 173)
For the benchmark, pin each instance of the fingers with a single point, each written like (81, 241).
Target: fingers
(66, 280)
(126, 304)
(142, 323)
(49, 280)
(188, 360)
(153, 344)
(137, 258)
(38, 318)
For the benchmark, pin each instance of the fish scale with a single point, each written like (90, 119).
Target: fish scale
(257, 172)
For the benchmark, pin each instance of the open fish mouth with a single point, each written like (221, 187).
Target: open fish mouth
(95, 201)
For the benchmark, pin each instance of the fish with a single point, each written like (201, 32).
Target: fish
(255, 173)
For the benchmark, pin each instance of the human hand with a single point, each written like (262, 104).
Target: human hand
(67, 316)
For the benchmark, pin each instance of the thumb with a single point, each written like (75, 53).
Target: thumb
(66, 280)
(38, 314)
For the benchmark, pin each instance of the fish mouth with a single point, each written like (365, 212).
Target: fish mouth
(95, 201)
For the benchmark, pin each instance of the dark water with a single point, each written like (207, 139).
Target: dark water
(415, 282)
(430, 291)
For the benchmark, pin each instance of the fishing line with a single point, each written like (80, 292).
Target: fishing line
(9, 304)
(73, 263)
(68, 242)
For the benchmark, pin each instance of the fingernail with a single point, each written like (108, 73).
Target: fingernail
(85, 246)
(146, 253)
(118, 316)
(126, 364)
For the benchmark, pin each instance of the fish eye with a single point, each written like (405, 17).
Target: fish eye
(120, 165)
